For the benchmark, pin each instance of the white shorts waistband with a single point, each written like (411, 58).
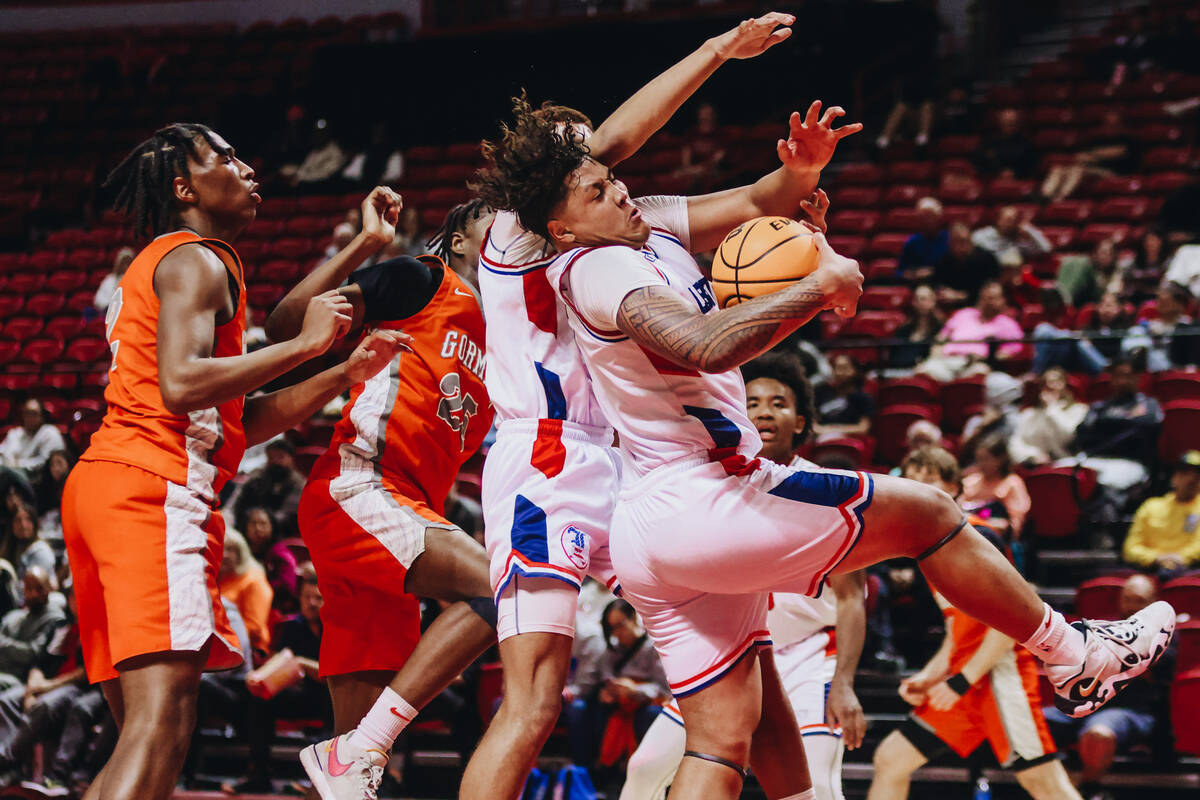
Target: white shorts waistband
(570, 430)
(643, 483)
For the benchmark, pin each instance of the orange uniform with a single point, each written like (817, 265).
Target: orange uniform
(1004, 707)
(142, 531)
(384, 479)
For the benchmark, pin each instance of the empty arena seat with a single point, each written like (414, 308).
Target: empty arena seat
(1161, 159)
(1096, 232)
(1176, 385)
(1061, 236)
(1065, 212)
(873, 324)
(1180, 430)
(21, 328)
(890, 429)
(853, 221)
(42, 351)
(970, 215)
(1099, 598)
(911, 172)
(903, 220)
(46, 304)
(26, 282)
(905, 194)
(1057, 495)
(1184, 594)
(8, 350)
(1009, 190)
(1187, 640)
(858, 197)
(961, 192)
(848, 246)
(886, 244)
(885, 298)
(1123, 209)
(916, 390)
(1114, 185)
(1185, 710)
(958, 397)
(957, 145)
(1167, 182)
(846, 449)
(880, 269)
(87, 350)
(64, 281)
(859, 174)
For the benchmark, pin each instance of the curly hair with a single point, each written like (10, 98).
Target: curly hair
(788, 369)
(527, 171)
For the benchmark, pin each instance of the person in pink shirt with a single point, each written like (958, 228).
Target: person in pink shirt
(991, 489)
(963, 347)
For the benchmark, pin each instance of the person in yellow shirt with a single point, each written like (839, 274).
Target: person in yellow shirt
(1165, 534)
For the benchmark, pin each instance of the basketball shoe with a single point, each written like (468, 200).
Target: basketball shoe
(340, 770)
(1117, 652)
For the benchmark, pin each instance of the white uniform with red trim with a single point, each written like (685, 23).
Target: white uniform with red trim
(550, 481)
(703, 529)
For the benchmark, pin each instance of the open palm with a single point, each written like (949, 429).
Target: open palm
(812, 139)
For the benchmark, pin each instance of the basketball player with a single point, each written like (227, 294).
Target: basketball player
(140, 520)
(817, 641)
(550, 480)
(661, 357)
(372, 513)
(979, 686)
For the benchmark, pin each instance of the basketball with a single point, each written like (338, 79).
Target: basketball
(761, 256)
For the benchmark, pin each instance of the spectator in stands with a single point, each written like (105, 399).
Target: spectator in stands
(964, 268)
(843, 408)
(1165, 534)
(1013, 239)
(964, 341)
(257, 526)
(108, 286)
(301, 634)
(28, 445)
(702, 157)
(926, 248)
(1140, 714)
(1064, 349)
(1007, 152)
(1001, 396)
(23, 546)
(922, 433)
(924, 322)
(1086, 278)
(48, 487)
(620, 700)
(323, 161)
(1169, 339)
(243, 581)
(1119, 436)
(1152, 254)
(993, 491)
(1110, 322)
(277, 487)
(1044, 432)
(26, 632)
(380, 164)
(1184, 265)
(1111, 151)
(407, 241)
(343, 234)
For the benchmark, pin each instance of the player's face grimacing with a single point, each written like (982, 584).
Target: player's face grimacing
(597, 212)
(219, 183)
(771, 406)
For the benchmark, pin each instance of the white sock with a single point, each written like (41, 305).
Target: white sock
(383, 723)
(809, 794)
(1056, 642)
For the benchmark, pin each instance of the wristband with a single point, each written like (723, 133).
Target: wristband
(958, 683)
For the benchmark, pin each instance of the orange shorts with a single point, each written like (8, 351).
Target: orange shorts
(1004, 708)
(144, 556)
(362, 538)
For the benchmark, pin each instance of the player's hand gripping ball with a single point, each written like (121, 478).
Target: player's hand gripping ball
(761, 256)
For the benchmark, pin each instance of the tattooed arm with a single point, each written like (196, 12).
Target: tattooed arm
(660, 320)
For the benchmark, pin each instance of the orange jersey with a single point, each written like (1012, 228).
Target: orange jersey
(199, 450)
(967, 634)
(415, 423)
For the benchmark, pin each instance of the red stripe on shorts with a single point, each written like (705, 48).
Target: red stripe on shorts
(549, 455)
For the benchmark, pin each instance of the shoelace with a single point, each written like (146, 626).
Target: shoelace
(370, 777)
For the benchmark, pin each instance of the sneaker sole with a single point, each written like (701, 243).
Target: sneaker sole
(316, 773)
(1113, 686)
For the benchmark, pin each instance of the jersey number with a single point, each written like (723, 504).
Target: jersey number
(110, 322)
(456, 408)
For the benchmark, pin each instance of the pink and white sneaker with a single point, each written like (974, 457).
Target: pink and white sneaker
(341, 770)
(1117, 652)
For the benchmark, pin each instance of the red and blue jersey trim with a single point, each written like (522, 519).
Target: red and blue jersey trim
(717, 671)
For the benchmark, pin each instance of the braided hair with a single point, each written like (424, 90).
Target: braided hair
(457, 220)
(143, 182)
(527, 169)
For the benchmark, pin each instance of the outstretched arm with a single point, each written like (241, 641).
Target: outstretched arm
(662, 321)
(643, 114)
(809, 147)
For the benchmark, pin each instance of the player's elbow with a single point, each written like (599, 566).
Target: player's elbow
(281, 325)
(179, 397)
(173, 400)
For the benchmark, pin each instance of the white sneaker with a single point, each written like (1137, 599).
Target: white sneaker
(340, 770)
(1117, 652)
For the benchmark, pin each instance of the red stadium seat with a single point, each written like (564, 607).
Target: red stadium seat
(852, 221)
(1176, 385)
(848, 246)
(961, 192)
(858, 197)
(1099, 231)
(1099, 598)
(905, 195)
(67, 281)
(880, 269)
(22, 328)
(859, 175)
(8, 350)
(891, 430)
(264, 295)
(63, 381)
(958, 397)
(1009, 190)
(1184, 594)
(26, 282)
(42, 351)
(1161, 159)
(306, 457)
(972, 216)
(1167, 182)
(1063, 238)
(957, 145)
(851, 449)
(1115, 185)
(1065, 212)
(915, 390)
(1060, 139)
(1185, 710)
(1180, 429)
(1123, 210)
(292, 248)
(1187, 639)
(279, 270)
(900, 220)
(886, 244)
(1057, 494)
(45, 305)
(873, 324)
(87, 350)
(885, 298)
(911, 172)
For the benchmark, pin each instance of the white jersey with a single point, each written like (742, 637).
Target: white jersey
(796, 617)
(662, 411)
(534, 370)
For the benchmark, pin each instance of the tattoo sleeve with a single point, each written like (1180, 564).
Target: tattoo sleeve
(662, 321)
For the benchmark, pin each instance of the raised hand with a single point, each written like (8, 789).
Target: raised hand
(815, 207)
(380, 212)
(327, 317)
(812, 138)
(374, 353)
(753, 37)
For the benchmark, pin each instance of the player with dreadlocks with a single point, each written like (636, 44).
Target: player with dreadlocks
(373, 511)
(143, 533)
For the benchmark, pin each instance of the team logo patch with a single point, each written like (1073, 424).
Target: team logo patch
(575, 546)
